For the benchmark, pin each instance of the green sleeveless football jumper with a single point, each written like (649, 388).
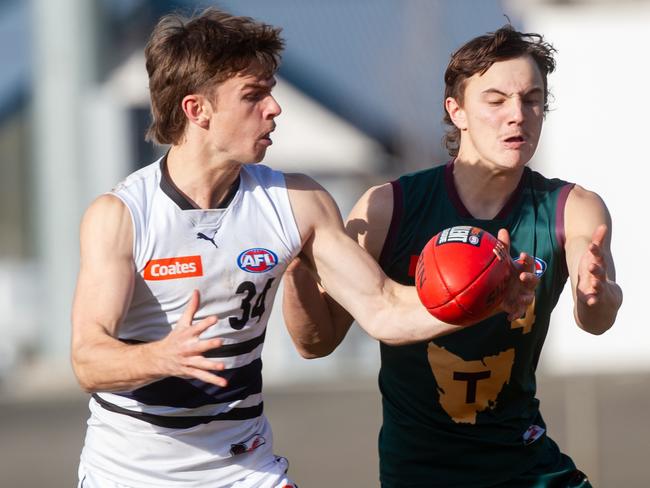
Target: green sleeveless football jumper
(460, 411)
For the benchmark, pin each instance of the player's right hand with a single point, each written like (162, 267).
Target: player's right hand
(523, 281)
(181, 352)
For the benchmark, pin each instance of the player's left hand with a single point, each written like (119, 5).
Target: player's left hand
(593, 286)
(523, 281)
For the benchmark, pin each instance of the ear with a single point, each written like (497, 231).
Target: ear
(456, 113)
(197, 109)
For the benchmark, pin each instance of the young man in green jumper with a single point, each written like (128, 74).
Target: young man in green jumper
(460, 410)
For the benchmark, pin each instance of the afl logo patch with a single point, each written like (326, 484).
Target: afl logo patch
(540, 266)
(257, 260)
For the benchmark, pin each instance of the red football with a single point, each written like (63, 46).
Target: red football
(462, 274)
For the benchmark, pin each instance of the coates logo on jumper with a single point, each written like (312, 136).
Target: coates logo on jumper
(257, 260)
(540, 267)
(173, 268)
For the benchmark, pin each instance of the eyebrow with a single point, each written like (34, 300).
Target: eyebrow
(534, 90)
(260, 85)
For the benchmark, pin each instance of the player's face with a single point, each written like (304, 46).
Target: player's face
(243, 118)
(502, 114)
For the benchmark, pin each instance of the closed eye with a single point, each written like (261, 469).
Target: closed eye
(495, 101)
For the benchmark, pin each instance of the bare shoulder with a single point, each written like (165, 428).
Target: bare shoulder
(584, 211)
(105, 205)
(369, 220)
(306, 190)
(374, 203)
(107, 225)
(581, 197)
(300, 181)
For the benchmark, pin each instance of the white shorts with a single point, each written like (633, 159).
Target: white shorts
(273, 475)
(134, 453)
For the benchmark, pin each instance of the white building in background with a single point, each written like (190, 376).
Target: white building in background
(595, 135)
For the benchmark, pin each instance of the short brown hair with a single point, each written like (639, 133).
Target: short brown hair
(479, 54)
(191, 55)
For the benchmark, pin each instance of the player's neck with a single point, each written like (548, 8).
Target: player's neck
(483, 189)
(203, 178)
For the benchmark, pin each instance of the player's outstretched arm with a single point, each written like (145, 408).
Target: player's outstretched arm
(596, 295)
(389, 312)
(102, 297)
(316, 323)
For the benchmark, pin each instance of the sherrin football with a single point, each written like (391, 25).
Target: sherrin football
(462, 275)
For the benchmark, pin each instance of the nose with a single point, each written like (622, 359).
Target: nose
(516, 112)
(273, 109)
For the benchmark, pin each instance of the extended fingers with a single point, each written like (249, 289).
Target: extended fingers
(593, 285)
(502, 247)
(203, 363)
(504, 237)
(190, 343)
(522, 288)
(598, 237)
(205, 374)
(598, 271)
(204, 324)
(190, 310)
(597, 253)
(205, 345)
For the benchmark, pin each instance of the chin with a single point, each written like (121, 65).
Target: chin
(517, 160)
(258, 156)
(252, 159)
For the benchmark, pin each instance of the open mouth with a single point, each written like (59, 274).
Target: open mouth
(267, 135)
(266, 138)
(515, 139)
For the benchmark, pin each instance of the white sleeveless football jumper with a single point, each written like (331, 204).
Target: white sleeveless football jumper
(185, 432)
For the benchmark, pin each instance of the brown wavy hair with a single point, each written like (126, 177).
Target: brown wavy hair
(193, 55)
(479, 54)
